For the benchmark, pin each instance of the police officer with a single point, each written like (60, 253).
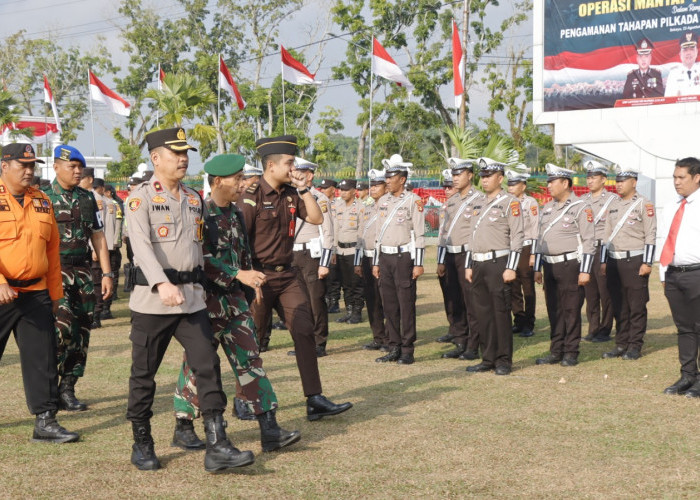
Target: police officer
(565, 221)
(328, 187)
(599, 310)
(79, 223)
(523, 286)
(363, 193)
(644, 81)
(398, 259)
(87, 182)
(630, 241)
(491, 264)
(227, 264)
(251, 175)
(30, 286)
(447, 294)
(114, 222)
(364, 256)
(680, 271)
(684, 79)
(131, 184)
(270, 211)
(313, 248)
(347, 214)
(166, 229)
(453, 242)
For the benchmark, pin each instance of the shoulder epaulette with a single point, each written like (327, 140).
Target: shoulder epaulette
(252, 188)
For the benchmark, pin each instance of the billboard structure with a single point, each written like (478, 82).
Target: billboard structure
(620, 53)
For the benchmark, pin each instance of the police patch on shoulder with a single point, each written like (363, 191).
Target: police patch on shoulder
(134, 204)
(249, 202)
(515, 208)
(589, 214)
(533, 209)
(650, 209)
(419, 205)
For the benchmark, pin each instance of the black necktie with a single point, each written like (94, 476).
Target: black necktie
(688, 74)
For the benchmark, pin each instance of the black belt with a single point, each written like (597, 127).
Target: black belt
(22, 283)
(174, 277)
(671, 269)
(74, 260)
(347, 245)
(267, 267)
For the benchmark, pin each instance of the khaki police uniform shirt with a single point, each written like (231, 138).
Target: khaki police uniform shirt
(639, 228)
(347, 218)
(462, 218)
(498, 225)
(165, 233)
(111, 224)
(680, 83)
(563, 237)
(306, 232)
(600, 211)
(531, 217)
(409, 217)
(367, 229)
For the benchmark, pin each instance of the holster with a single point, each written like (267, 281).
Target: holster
(129, 277)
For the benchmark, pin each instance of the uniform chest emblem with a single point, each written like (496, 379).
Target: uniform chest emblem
(515, 209)
(289, 199)
(158, 199)
(162, 231)
(533, 209)
(589, 214)
(4, 207)
(191, 200)
(134, 204)
(2, 190)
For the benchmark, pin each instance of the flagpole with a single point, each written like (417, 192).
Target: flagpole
(371, 100)
(92, 120)
(284, 104)
(218, 99)
(160, 87)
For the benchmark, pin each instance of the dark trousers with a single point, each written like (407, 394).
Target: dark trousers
(454, 301)
(150, 336)
(492, 300)
(375, 309)
(333, 283)
(523, 292)
(96, 272)
(564, 299)
(30, 318)
(398, 290)
(629, 294)
(115, 262)
(307, 267)
(286, 290)
(599, 310)
(469, 333)
(129, 251)
(351, 282)
(683, 293)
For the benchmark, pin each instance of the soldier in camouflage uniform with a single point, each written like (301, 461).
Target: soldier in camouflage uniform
(227, 265)
(79, 222)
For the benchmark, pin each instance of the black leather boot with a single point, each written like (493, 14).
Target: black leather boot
(355, 316)
(393, 355)
(66, 395)
(241, 410)
(96, 323)
(143, 456)
(333, 306)
(221, 454)
(272, 436)
(456, 352)
(319, 406)
(344, 319)
(48, 430)
(184, 436)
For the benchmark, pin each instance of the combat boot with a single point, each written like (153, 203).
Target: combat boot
(456, 352)
(66, 395)
(48, 430)
(272, 436)
(96, 323)
(184, 436)
(344, 319)
(355, 316)
(221, 454)
(241, 410)
(106, 314)
(393, 355)
(333, 306)
(143, 456)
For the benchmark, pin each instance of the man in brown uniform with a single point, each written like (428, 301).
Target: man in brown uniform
(627, 257)
(523, 286)
(453, 242)
(566, 222)
(398, 259)
(599, 310)
(364, 256)
(270, 211)
(313, 247)
(347, 214)
(491, 264)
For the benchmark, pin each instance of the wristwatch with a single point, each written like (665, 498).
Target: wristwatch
(303, 191)
(108, 275)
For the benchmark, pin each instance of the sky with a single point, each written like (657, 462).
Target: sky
(80, 22)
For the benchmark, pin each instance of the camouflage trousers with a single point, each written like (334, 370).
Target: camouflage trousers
(234, 329)
(73, 320)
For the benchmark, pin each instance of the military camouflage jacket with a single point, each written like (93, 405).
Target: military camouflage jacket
(78, 217)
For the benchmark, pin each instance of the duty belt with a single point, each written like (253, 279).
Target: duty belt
(598, 243)
(352, 244)
(22, 283)
(74, 260)
(394, 250)
(456, 249)
(298, 247)
(269, 267)
(528, 242)
(626, 255)
(175, 277)
(671, 269)
(368, 253)
(555, 259)
(482, 257)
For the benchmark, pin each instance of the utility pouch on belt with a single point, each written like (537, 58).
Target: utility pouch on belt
(129, 277)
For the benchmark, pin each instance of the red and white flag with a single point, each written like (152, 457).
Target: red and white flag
(457, 65)
(161, 77)
(226, 82)
(383, 65)
(99, 92)
(48, 99)
(295, 72)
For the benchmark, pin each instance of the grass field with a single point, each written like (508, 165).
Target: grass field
(602, 429)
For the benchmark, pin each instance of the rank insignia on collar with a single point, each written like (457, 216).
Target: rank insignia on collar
(158, 187)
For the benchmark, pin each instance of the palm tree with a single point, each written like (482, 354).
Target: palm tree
(9, 115)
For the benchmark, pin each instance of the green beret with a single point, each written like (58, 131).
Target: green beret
(224, 165)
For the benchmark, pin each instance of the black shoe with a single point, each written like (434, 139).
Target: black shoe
(184, 436)
(549, 359)
(272, 436)
(66, 395)
(96, 323)
(48, 430)
(406, 359)
(481, 367)
(589, 337)
(469, 355)
(527, 332)
(333, 307)
(355, 316)
(681, 386)
(456, 352)
(279, 325)
(319, 406)
(264, 348)
(321, 351)
(615, 353)
(241, 410)
(106, 315)
(143, 456)
(569, 360)
(372, 346)
(385, 348)
(346, 318)
(516, 329)
(393, 355)
(221, 454)
(445, 338)
(291, 353)
(503, 370)
(632, 355)
(693, 392)
(601, 338)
